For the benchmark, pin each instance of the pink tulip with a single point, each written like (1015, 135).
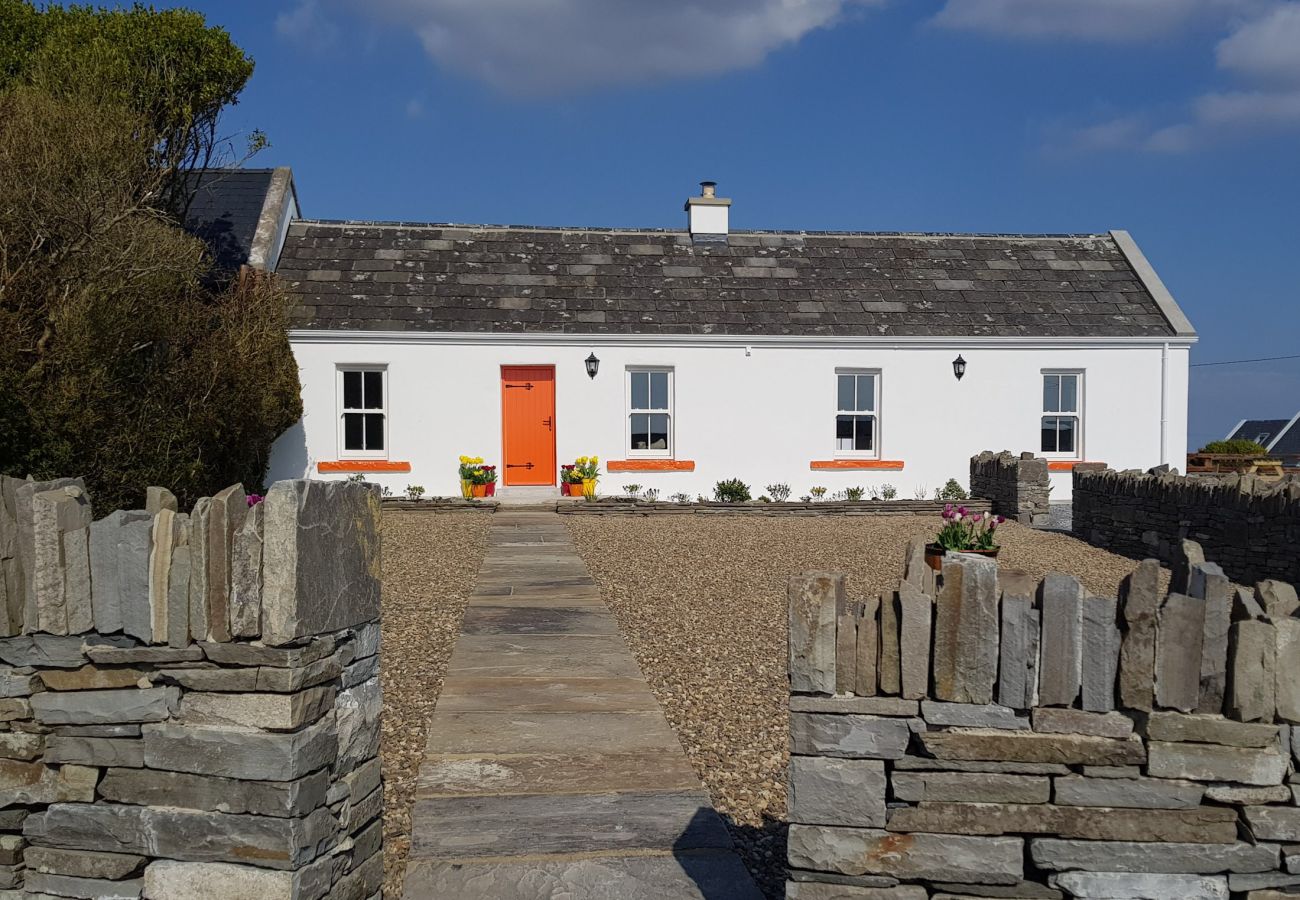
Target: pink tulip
(961, 511)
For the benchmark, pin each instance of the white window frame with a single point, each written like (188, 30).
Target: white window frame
(630, 411)
(345, 453)
(1077, 413)
(873, 453)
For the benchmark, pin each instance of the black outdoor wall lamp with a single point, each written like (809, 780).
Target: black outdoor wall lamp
(593, 365)
(959, 367)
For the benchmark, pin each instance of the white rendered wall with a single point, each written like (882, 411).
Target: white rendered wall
(761, 417)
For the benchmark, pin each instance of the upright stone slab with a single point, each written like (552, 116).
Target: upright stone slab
(164, 537)
(916, 571)
(1286, 670)
(24, 492)
(1061, 663)
(889, 675)
(1277, 598)
(76, 580)
(966, 630)
(1245, 606)
(1186, 555)
(55, 513)
(119, 569)
(178, 586)
(246, 577)
(156, 499)
(846, 646)
(1018, 660)
(868, 648)
(1208, 582)
(916, 614)
(814, 599)
(1180, 634)
(1252, 657)
(228, 510)
(200, 526)
(1139, 600)
(1100, 654)
(11, 571)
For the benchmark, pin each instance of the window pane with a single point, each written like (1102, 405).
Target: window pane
(658, 432)
(864, 439)
(374, 431)
(1051, 393)
(1065, 434)
(640, 432)
(351, 390)
(640, 390)
(353, 431)
(843, 432)
(1049, 435)
(1069, 393)
(658, 390)
(866, 393)
(845, 401)
(374, 392)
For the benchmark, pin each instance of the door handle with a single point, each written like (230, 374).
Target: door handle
(519, 465)
(547, 421)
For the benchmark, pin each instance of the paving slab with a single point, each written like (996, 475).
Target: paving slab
(550, 770)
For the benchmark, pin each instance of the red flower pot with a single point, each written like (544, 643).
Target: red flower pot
(491, 489)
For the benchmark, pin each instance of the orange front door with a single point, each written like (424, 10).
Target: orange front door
(528, 424)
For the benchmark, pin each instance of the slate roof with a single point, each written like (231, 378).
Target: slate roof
(450, 278)
(1254, 429)
(224, 211)
(1283, 439)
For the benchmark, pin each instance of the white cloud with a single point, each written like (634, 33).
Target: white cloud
(1267, 49)
(1095, 20)
(533, 47)
(306, 25)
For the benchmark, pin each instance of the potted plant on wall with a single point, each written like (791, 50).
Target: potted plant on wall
(964, 532)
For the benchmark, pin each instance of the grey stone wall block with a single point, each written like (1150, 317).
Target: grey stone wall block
(1061, 657)
(105, 707)
(1030, 747)
(970, 715)
(1204, 825)
(246, 576)
(966, 630)
(1135, 793)
(83, 863)
(1205, 729)
(1018, 657)
(1277, 598)
(828, 791)
(890, 676)
(916, 618)
(120, 544)
(33, 783)
(1286, 670)
(76, 580)
(1180, 635)
(358, 711)
(1252, 658)
(814, 599)
(55, 513)
(1100, 662)
(166, 534)
(851, 736)
(271, 712)
(156, 499)
(281, 799)
(241, 753)
(1165, 857)
(44, 651)
(1274, 823)
(1054, 720)
(1210, 762)
(1208, 582)
(226, 517)
(1139, 602)
(867, 648)
(171, 880)
(846, 647)
(944, 857)
(1098, 885)
(178, 586)
(24, 517)
(200, 550)
(95, 751)
(46, 884)
(970, 787)
(321, 559)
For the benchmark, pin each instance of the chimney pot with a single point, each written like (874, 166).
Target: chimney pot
(707, 215)
(708, 188)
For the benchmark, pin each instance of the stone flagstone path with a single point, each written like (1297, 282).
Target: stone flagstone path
(550, 771)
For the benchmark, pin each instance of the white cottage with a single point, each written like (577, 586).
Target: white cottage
(683, 357)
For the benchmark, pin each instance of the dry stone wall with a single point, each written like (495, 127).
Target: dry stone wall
(1018, 486)
(189, 703)
(976, 733)
(1248, 525)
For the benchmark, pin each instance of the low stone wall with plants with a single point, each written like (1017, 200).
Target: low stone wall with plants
(1018, 486)
(1248, 525)
(977, 733)
(190, 702)
(625, 507)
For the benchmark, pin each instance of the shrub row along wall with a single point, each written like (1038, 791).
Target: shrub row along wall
(1249, 526)
(615, 507)
(1018, 486)
(980, 734)
(191, 702)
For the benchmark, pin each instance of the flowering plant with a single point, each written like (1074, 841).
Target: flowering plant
(484, 475)
(587, 467)
(254, 499)
(468, 465)
(569, 474)
(965, 531)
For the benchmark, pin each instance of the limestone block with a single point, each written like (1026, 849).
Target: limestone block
(1126, 886)
(846, 647)
(1208, 582)
(15, 708)
(165, 536)
(128, 656)
(185, 835)
(1209, 762)
(1180, 634)
(827, 791)
(44, 884)
(200, 549)
(179, 576)
(1274, 823)
(43, 651)
(1277, 598)
(24, 518)
(867, 648)
(240, 753)
(281, 799)
(82, 863)
(1209, 825)
(227, 513)
(1286, 670)
(156, 499)
(1165, 857)
(868, 851)
(20, 745)
(1018, 664)
(916, 618)
(95, 751)
(1054, 720)
(1239, 795)
(12, 583)
(96, 707)
(970, 787)
(272, 712)
(1061, 661)
(170, 880)
(889, 671)
(1134, 793)
(76, 574)
(1201, 729)
(90, 678)
(814, 599)
(866, 706)
(1252, 662)
(18, 684)
(357, 711)
(246, 577)
(279, 657)
(54, 514)
(1062, 749)
(119, 572)
(814, 890)
(970, 715)
(1139, 600)
(1100, 662)
(330, 579)
(34, 783)
(966, 630)
(854, 737)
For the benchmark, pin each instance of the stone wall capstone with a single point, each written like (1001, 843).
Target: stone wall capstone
(1052, 744)
(190, 703)
(1249, 526)
(1018, 486)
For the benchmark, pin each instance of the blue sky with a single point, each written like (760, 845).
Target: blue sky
(1178, 120)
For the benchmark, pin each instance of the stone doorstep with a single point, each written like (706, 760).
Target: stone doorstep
(538, 620)
(466, 693)
(461, 775)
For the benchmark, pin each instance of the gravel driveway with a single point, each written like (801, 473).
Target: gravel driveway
(701, 601)
(431, 560)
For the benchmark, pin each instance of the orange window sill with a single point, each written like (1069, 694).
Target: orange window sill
(363, 465)
(857, 464)
(1067, 465)
(650, 465)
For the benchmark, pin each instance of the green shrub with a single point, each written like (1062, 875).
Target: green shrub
(853, 494)
(780, 491)
(1238, 447)
(888, 492)
(951, 491)
(733, 490)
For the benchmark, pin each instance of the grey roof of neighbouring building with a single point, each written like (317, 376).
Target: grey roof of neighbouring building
(460, 278)
(225, 209)
(1281, 437)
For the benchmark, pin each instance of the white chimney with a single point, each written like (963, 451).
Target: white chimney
(707, 214)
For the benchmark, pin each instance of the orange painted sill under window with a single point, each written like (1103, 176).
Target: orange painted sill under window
(650, 465)
(857, 464)
(364, 465)
(1068, 465)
